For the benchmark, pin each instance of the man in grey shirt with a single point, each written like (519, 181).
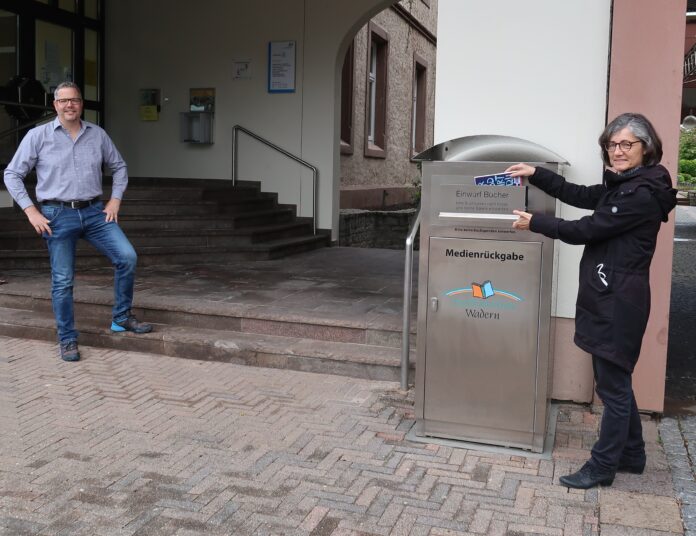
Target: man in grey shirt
(68, 155)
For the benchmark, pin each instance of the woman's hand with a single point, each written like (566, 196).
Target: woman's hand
(521, 170)
(523, 219)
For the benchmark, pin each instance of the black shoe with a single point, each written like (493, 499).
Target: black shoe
(587, 477)
(131, 324)
(69, 351)
(636, 468)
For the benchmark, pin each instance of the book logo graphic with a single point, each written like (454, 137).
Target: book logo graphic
(482, 291)
(483, 300)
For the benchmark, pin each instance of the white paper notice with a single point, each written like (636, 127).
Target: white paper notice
(281, 66)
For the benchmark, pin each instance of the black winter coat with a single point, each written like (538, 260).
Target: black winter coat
(613, 302)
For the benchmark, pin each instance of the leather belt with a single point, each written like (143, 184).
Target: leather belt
(71, 204)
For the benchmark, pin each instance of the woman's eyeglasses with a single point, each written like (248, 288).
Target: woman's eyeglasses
(624, 145)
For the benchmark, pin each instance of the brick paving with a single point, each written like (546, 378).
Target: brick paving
(126, 443)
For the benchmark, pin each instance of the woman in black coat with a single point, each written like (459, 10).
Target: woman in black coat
(613, 302)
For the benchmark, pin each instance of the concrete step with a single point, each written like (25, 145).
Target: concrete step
(223, 316)
(14, 220)
(88, 257)
(181, 221)
(225, 192)
(28, 239)
(296, 353)
(176, 207)
(167, 207)
(261, 233)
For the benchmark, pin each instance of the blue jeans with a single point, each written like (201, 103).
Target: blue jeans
(68, 226)
(621, 432)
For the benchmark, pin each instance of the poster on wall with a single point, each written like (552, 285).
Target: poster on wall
(281, 67)
(149, 104)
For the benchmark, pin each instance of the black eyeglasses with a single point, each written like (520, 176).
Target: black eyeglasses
(63, 102)
(624, 145)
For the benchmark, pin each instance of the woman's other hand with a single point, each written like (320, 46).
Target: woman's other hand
(523, 218)
(521, 170)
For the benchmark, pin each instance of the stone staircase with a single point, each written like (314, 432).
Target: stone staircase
(200, 315)
(181, 221)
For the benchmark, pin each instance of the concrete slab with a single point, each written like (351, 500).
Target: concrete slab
(639, 511)
(620, 530)
(332, 286)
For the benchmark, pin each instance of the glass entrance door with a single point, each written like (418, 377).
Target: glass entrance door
(54, 54)
(46, 42)
(8, 69)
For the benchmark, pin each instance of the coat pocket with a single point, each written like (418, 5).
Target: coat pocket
(595, 293)
(629, 327)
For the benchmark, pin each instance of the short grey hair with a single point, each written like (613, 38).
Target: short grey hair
(642, 129)
(66, 85)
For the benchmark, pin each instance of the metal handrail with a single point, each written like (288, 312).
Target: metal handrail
(30, 123)
(408, 288)
(315, 171)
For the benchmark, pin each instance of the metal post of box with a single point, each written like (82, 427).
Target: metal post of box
(484, 296)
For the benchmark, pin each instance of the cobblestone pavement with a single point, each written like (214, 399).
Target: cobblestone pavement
(681, 361)
(127, 443)
(679, 437)
(678, 430)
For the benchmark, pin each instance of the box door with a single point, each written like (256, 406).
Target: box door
(482, 332)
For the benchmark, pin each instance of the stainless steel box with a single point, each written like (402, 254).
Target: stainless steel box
(484, 310)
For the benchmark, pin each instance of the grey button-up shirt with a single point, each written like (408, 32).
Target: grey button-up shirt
(66, 170)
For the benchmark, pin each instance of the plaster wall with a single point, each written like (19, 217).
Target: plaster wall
(660, 100)
(164, 49)
(151, 45)
(494, 80)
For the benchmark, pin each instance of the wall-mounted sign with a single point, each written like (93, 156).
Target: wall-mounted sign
(149, 104)
(281, 67)
(241, 70)
(202, 99)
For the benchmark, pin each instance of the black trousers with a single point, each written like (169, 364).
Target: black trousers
(621, 433)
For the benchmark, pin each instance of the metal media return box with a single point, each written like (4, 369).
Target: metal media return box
(484, 308)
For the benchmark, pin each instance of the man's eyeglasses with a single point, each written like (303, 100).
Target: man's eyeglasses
(63, 102)
(624, 145)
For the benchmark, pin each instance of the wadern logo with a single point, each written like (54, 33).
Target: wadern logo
(483, 301)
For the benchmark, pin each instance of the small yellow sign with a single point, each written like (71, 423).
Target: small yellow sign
(149, 113)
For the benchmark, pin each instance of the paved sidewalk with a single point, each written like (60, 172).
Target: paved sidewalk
(679, 437)
(127, 443)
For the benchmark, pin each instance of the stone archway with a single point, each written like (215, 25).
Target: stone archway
(379, 174)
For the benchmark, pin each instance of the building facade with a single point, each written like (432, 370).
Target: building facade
(387, 105)
(547, 71)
